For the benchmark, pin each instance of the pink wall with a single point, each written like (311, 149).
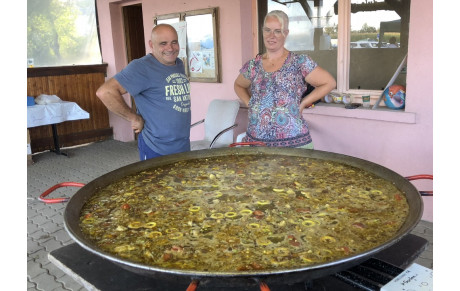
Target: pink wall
(401, 141)
(235, 24)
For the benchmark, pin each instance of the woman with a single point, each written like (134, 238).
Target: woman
(272, 84)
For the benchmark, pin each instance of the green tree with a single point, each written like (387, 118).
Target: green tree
(52, 37)
(331, 30)
(367, 29)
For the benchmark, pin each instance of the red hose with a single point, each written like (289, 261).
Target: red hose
(58, 200)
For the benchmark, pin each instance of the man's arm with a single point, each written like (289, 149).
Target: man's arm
(111, 94)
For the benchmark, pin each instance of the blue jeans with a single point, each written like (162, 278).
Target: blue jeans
(145, 152)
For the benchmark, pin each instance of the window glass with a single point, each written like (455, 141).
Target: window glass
(310, 26)
(372, 61)
(201, 47)
(312, 30)
(378, 42)
(300, 27)
(61, 33)
(168, 21)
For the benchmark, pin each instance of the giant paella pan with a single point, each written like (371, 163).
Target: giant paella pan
(238, 216)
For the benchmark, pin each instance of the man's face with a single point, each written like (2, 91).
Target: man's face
(164, 45)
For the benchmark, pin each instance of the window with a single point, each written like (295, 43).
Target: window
(202, 43)
(350, 39)
(62, 33)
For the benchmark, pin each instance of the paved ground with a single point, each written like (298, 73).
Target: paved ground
(45, 226)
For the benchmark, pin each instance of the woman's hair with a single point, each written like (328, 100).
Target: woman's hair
(282, 18)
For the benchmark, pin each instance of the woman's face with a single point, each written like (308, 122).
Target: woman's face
(273, 34)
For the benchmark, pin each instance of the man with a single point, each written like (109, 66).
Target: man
(161, 91)
(393, 42)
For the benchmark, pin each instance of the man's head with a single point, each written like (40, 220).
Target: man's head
(164, 44)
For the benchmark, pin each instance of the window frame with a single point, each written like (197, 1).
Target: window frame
(182, 16)
(343, 51)
(343, 58)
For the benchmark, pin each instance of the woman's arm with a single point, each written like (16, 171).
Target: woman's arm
(323, 83)
(241, 86)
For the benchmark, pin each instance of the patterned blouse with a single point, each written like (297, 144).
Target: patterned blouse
(274, 116)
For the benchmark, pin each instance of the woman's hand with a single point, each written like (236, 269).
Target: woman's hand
(304, 105)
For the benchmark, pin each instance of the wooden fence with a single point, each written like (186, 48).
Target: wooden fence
(71, 83)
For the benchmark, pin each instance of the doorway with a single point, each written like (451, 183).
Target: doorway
(134, 36)
(134, 31)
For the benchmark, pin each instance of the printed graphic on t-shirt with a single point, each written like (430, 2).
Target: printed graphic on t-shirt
(177, 90)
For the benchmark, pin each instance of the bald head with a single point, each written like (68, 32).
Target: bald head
(161, 29)
(164, 44)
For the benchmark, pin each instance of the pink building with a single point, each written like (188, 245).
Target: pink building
(399, 140)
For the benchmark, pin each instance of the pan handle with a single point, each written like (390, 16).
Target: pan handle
(263, 286)
(251, 143)
(419, 177)
(193, 285)
(58, 200)
(195, 282)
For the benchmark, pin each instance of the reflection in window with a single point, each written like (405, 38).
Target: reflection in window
(314, 30)
(376, 27)
(200, 46)
(311, 27)
(61, 33)
(202, 38)
(168, 21)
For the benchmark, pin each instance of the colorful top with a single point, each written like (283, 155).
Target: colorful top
(274, 116)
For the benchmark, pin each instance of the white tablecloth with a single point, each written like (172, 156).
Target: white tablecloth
(53, 113)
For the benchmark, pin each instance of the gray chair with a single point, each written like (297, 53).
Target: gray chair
(219, 124)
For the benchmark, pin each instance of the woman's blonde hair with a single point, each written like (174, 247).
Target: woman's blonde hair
(282, 18)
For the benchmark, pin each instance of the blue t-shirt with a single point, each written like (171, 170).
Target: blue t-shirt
(162, 96)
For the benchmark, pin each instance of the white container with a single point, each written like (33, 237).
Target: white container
(328, 98)
(346, 98)
(366, 101)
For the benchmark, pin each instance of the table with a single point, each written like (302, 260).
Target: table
(52, 114)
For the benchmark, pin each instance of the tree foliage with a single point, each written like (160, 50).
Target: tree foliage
(367, 29)
(332, 30)
(52, 36)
